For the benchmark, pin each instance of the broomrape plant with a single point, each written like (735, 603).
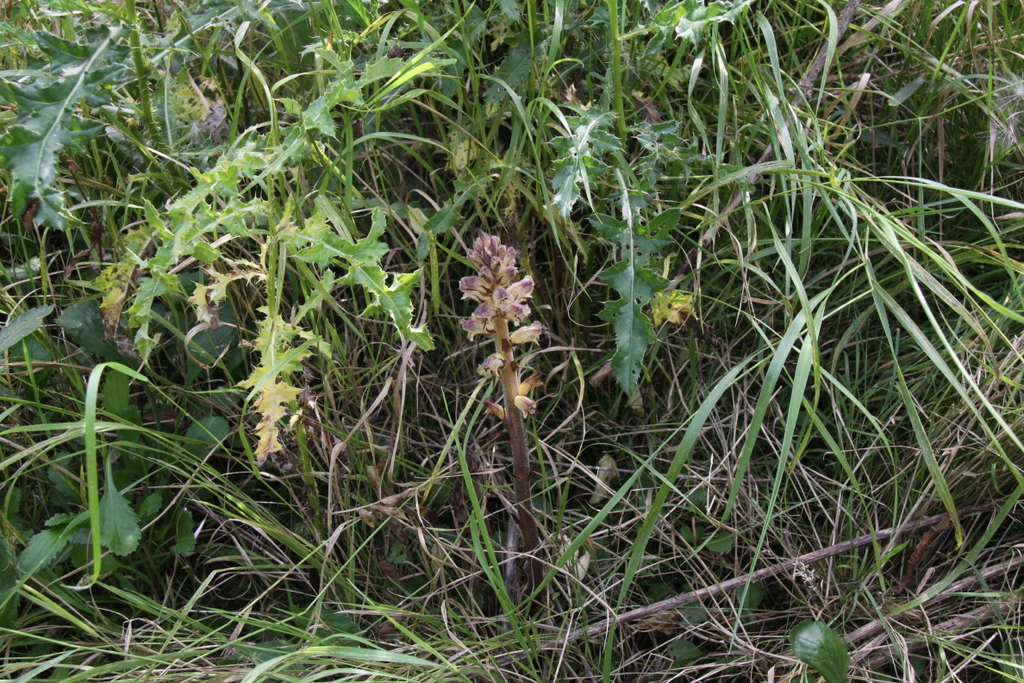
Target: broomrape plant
(501, 296)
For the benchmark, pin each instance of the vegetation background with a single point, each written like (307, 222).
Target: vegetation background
(243, 434)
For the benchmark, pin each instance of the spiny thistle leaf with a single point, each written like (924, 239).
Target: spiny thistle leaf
(48, 118)
(364, 270)
(635, 282)
(633, 334)
(689, 18)
(281, 355)
(579, 156)
(273, 406)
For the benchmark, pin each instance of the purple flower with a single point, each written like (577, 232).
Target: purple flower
(475, 326)
(522, 289)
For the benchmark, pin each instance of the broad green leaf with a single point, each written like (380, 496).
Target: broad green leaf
(750, 597)
(22, 326)
(683, 652)
(816, 644)
(208, 431)
(44, 546)
(721, 542)
(115, 392)
(83, 323)
(119, 525)
(48, 119)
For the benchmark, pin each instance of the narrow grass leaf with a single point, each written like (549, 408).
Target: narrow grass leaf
(92, 391)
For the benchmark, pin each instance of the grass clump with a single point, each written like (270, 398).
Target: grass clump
(775, 423)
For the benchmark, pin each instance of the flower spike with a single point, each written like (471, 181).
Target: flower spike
(502, 298)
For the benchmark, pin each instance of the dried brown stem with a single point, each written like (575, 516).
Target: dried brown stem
(522, 470)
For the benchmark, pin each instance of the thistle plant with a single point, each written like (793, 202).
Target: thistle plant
(501, 296)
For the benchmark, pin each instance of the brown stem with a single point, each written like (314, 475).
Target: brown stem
(521, 466)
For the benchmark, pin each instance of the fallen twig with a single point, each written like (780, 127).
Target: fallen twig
(760, 575)
(740, 581)
(875, 652)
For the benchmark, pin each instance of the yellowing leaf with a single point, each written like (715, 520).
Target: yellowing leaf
(272, 404)
(607, 471)
(417, 219)
(675, 307)
(462, 153)
(113, 282)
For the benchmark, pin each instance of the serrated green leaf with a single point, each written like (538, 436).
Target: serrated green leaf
(141, 311)
(379, 69)
(509, 9)
(633, 334)
(816, 644)
(365, 271)
(22, 326)
(48, 121)
(650, 241)
(119, 525)
(150, 507)
(634, 281)
(319, 118)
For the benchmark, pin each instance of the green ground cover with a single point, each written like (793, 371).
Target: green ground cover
(258, 422)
